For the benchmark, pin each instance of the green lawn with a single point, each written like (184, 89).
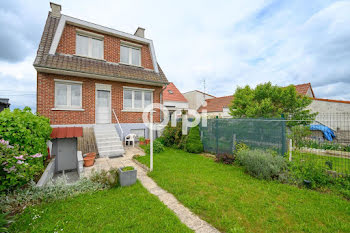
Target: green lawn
(341, 165)
(129, 209)
(232, 201)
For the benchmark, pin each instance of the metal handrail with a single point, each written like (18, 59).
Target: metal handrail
(115, 115)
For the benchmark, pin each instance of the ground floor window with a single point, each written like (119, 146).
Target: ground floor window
(137, 99)
(68, 94)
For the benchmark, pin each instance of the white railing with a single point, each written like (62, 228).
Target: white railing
(121, 130)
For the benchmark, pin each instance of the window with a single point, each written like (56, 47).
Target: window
(170, 91)
(89, 46)
(68, 95)
(136, 99)
(130, 55)
(139, 132)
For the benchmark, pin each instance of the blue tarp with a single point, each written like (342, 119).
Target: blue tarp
(327, 132)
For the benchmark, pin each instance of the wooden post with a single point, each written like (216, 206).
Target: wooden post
(290, 149)
(151, 140)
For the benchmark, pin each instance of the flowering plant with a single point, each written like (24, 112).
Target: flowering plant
(16, 167)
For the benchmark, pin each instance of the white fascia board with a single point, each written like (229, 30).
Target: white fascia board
(84, 24)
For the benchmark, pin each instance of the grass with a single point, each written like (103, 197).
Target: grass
(341, 165)
(232, 201)
(127, 209)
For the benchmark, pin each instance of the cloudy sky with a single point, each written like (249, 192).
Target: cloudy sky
(225, 43)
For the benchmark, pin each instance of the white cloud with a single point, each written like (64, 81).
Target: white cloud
(226, 43)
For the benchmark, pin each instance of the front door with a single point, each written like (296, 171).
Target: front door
(103, 107)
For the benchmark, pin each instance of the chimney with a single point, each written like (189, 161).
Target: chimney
(140, 32)
(55, 9)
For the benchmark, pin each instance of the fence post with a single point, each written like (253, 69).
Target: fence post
(284, 146)
(290, 149)
(234, 143)
(217, 135)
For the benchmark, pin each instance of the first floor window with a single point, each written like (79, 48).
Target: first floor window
(68, 95)
(136, 99)
(89, 46)
(130, 55)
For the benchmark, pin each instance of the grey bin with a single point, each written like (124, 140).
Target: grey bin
(127, 178)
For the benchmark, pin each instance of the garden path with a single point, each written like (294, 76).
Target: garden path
(184, 214)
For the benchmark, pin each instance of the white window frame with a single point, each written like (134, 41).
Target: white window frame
(90, 36)
(130, 47)
(69, 106)
(133, 89)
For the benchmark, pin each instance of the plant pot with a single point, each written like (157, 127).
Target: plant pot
(91, 154)
(127, 178)
(142, 143)
(147, 141)
(89, 161)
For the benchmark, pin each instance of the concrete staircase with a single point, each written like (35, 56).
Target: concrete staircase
(108, 141)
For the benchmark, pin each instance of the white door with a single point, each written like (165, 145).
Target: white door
(103, 107)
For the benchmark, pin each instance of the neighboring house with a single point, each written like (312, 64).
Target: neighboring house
(4, 103)
(305, 89)
(332, 113)
(173, 99)
(89, 74)
(196, 98)
(217, 107)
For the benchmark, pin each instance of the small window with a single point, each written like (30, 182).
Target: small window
(136, 99)
(139, 132)
(89, 47)
(170, 91)
(68, 95)
(130, 55)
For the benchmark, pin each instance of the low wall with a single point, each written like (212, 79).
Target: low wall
(48, 174)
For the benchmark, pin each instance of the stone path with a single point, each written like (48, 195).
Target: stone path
(184, 214)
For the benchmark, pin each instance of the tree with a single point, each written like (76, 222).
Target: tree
(268, 101)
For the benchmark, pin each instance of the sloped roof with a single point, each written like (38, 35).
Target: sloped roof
(171, 93)
(71, 63)
(217, 104)
(67, 132)
(335, 101)
(303, 88)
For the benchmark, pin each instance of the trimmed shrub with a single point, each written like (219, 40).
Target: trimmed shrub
(193, 142)
(172, 136)
(157, 147)
(262, 164)
(32, 195)
(17, 168)
(25, 129)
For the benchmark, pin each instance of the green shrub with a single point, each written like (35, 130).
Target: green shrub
(25, 129)
(107, 178)
(262, 164)
(17, 168)
(157, 147)
(240, 147)
(193, 142)
(15, 201)
(129, 168)
(172, 136)
(308, 170)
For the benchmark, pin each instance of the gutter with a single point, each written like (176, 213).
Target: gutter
(96, 76)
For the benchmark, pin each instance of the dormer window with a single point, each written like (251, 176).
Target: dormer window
(89, 44)
(130, 55)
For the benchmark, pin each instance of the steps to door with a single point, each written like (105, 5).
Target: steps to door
(108, 141)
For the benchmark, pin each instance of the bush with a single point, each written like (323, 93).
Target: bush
(23, 128)
(193, 142)
(262, 164)
(307, 170)
(15, 201)
(107, 178)
(17, 168)
(225, 158)
(157, 147)
(5, 221)
(172, 136)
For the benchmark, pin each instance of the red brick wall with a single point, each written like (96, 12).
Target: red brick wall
(46, 101)
(111, 46)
